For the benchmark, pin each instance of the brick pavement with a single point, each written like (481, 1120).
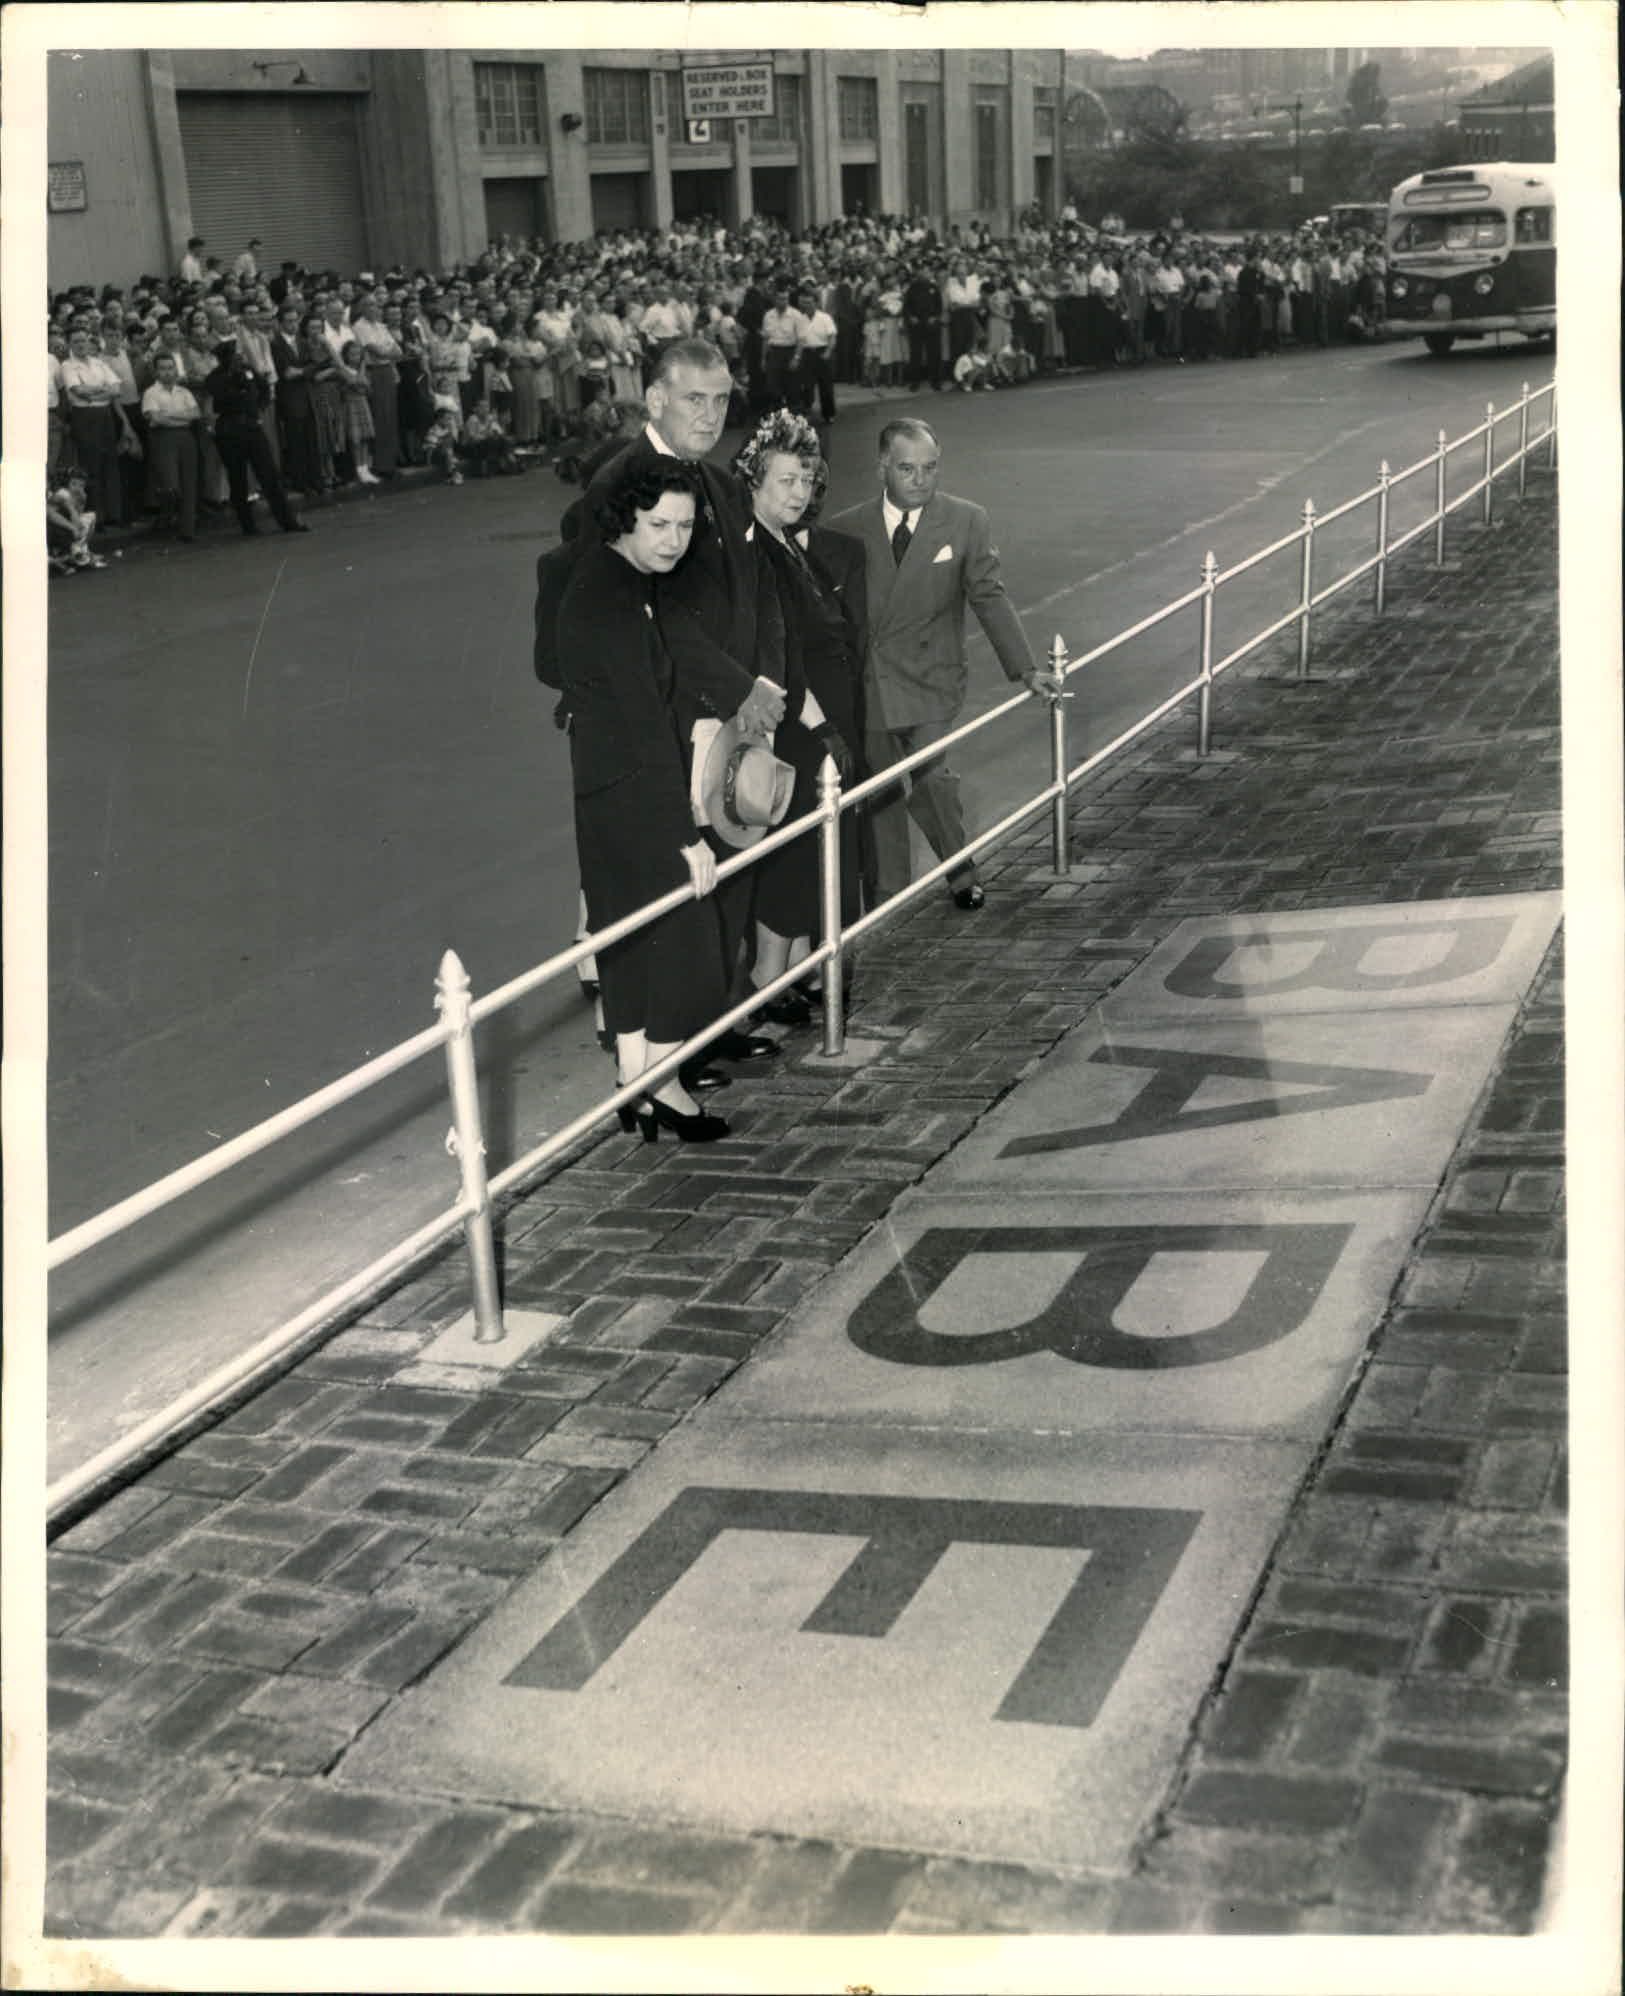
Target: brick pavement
(1382, 1751)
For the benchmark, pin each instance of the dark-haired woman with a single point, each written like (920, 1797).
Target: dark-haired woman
(635, 832)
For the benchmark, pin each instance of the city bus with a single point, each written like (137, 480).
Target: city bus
(1472, 250)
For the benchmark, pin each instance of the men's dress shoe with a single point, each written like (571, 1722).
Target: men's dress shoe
(699, 1079)
(969, 898)
(735, 1045)
(296, 527)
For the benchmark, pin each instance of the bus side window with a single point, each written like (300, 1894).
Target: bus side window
(1534, 225)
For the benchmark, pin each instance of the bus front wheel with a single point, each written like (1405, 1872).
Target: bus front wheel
(1439, 343)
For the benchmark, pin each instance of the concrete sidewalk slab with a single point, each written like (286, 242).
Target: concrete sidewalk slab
(1290, 1100)
(1239, 1314)
(988, 1649)
(1475, 952)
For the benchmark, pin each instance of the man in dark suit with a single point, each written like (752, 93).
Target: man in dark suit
(922, 319)
(238, 397)
(721, 626)
(752, 310)
(929, 556)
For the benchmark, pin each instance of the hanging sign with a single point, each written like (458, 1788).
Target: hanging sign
(65, 186)
(728, 90)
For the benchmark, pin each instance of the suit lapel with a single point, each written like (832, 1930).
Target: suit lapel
(882, 569)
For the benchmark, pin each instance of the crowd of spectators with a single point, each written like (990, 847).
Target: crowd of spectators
(537, 352)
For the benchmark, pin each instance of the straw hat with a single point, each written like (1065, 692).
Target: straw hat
(740, 787)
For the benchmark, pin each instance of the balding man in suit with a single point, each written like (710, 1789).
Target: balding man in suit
(929, 556)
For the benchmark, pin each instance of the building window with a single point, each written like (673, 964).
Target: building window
(987, 155)
(784, 127)
(617, 106)
(508, 103)
(917, 157)
(1044, 115)
(860, 107)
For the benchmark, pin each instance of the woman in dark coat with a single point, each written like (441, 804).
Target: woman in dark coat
(779, 466)
(635, 833)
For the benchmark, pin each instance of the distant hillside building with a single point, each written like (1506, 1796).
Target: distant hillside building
(1514, 117)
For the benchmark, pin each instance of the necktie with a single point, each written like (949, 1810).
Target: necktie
(900, 540)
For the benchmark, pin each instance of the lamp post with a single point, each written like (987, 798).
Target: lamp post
(1296, 108)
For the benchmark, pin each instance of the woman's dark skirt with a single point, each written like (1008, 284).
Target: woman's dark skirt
(667, 980)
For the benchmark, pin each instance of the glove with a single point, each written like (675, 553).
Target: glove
(830, 739)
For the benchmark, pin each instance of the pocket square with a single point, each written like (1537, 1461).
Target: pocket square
(942, 554)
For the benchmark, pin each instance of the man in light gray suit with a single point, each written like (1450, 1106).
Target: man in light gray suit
(928, 555)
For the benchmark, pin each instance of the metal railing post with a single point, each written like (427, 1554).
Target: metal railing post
(829, 885)
(1523, 437)
(1380, 598)
(1489, 463)
(1061, 828)
(466, 1142)
(1204, 699)
(1551, 433)
(1307, 588)
(1438, 503)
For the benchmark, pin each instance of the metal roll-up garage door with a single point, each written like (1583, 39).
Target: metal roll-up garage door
(283, 167)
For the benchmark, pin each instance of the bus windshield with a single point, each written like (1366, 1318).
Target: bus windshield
(1479, 229)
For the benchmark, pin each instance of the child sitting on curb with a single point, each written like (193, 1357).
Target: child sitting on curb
(440, 439)
(975, 368)
(485, 447)
(68, 527)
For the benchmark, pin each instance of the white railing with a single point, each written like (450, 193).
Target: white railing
(459, 1013)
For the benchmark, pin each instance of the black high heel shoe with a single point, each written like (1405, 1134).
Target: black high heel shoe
(700, 1128)
(628, 1116)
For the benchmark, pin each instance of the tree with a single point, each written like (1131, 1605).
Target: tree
(1366, 103)
(1155, 120)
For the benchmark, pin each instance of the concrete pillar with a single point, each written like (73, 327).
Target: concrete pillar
(454, 138)
(820, 171)
(667, 92)
(892, 193)
(569, 175)
(173, 190)
(958, 136)
(739, 195)
(1021, 141)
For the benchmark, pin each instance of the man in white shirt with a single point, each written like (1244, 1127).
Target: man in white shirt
(1103, 320)
(192, 262)
(1168, 287)
(246, 269)
(335, 325)
(782, 330)
(816, 363)
(659, 326)
(963, 297)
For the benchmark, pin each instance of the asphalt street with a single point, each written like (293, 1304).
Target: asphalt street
(284, 778)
